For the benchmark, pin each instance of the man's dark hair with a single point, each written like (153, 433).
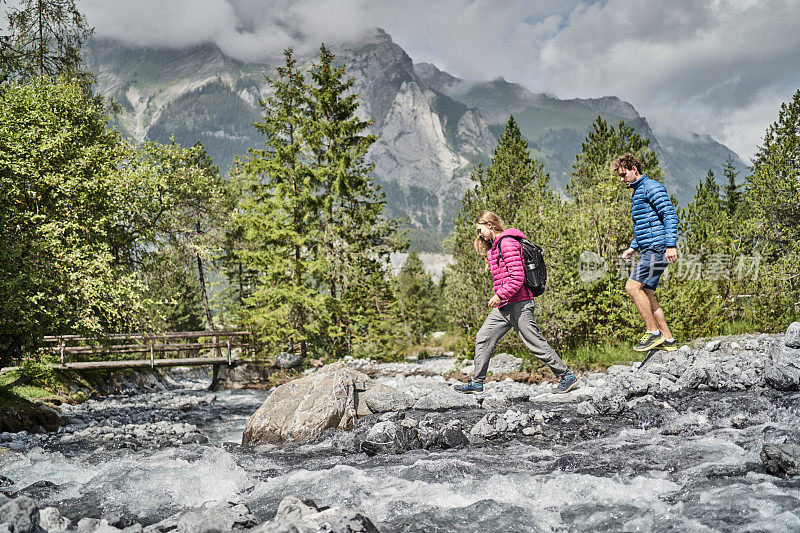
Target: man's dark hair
(627, 162)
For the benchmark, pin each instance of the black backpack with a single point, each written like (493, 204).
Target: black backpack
(535, 269)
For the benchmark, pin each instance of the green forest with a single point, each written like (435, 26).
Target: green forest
(99, 235)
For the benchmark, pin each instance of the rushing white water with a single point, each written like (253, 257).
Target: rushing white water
(693, 472)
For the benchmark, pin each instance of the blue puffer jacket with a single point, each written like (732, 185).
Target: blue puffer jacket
(655, 223)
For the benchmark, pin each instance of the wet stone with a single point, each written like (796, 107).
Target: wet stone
(792, 337)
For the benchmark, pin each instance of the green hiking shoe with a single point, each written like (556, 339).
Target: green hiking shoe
(669, 346)
(649, 341)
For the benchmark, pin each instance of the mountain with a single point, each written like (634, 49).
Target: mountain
(432, 127)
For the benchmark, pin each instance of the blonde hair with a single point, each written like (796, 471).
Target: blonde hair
(495, 223)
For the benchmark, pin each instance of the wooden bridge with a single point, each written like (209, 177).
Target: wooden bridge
(148, 345)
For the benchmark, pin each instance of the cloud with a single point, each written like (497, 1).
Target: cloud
(712, 66)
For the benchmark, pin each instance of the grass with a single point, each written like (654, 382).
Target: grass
(597, 358)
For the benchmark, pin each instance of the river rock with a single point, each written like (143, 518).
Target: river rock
(288, 360)
(50, 520)
(608, 400)
(451, 436)
(21, 514)
(195, 522)
(792, 337)
(297, 516)
(441, 398)
(713, 345)
(382, 399)
(388, 437)
(239, 375)
(303, 408)
(781, 459)
(782, 370)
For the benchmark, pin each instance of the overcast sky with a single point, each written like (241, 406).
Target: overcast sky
(720, 67)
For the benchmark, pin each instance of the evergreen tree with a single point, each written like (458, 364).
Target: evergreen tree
(278, 219)
(357, 238)
(45, 39)
(771, 208)
(416, 294)
(705, 222)
(733, 192)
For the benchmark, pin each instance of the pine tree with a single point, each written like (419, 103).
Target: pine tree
(416, 294)
(357, 238)
(705, 222)
(278, 220)
(733, 192)
(45, 40)
(771, 208)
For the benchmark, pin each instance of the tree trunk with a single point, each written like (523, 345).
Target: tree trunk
(202, 277)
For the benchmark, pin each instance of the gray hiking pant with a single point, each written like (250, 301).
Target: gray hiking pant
(517, 315)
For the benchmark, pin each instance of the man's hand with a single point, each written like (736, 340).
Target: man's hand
(627, 255)
(672, 255)
(495, 301)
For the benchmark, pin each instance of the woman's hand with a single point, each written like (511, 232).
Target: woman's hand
(495, 301)
(672, 255)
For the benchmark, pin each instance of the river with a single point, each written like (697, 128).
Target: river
(695, 468)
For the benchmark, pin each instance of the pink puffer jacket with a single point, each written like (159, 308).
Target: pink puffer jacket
(509, 275)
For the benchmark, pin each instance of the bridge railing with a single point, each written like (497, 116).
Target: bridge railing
(71, 347)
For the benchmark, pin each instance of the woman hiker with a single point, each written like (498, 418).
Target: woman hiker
(512, 304)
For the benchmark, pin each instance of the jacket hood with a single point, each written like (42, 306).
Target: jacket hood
(510, 232)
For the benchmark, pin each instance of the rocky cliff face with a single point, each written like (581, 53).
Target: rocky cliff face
(432, 127)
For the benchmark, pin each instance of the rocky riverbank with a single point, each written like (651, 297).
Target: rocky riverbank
(718, 416)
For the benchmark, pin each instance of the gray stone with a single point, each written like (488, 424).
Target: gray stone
(792, 337)
(382, 398)
(782, 370)
(495, 401)
(50, 520)
(238, 376)
(229, 517)
(303, 408)
(739, 421)
(440, 399)
(195, 522)
(22, 514)
(451, 436)
(296, 516)
(587, 408)
(504, 363)
(692, 378)
(713, 345)
(781, 459)
(288, 360)
(485, 428)
(608, 400)
(388, 437)
(88, 525)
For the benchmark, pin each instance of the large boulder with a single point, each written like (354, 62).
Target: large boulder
(302, 409)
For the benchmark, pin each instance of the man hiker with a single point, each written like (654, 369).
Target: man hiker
(655, 229)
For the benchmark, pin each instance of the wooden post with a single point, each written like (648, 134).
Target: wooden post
(61, 349)
(229, 351)
(152, 354)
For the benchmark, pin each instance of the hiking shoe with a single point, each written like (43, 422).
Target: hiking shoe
(470, 388)
(649, 341)
(669, 346)
(568, 382)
